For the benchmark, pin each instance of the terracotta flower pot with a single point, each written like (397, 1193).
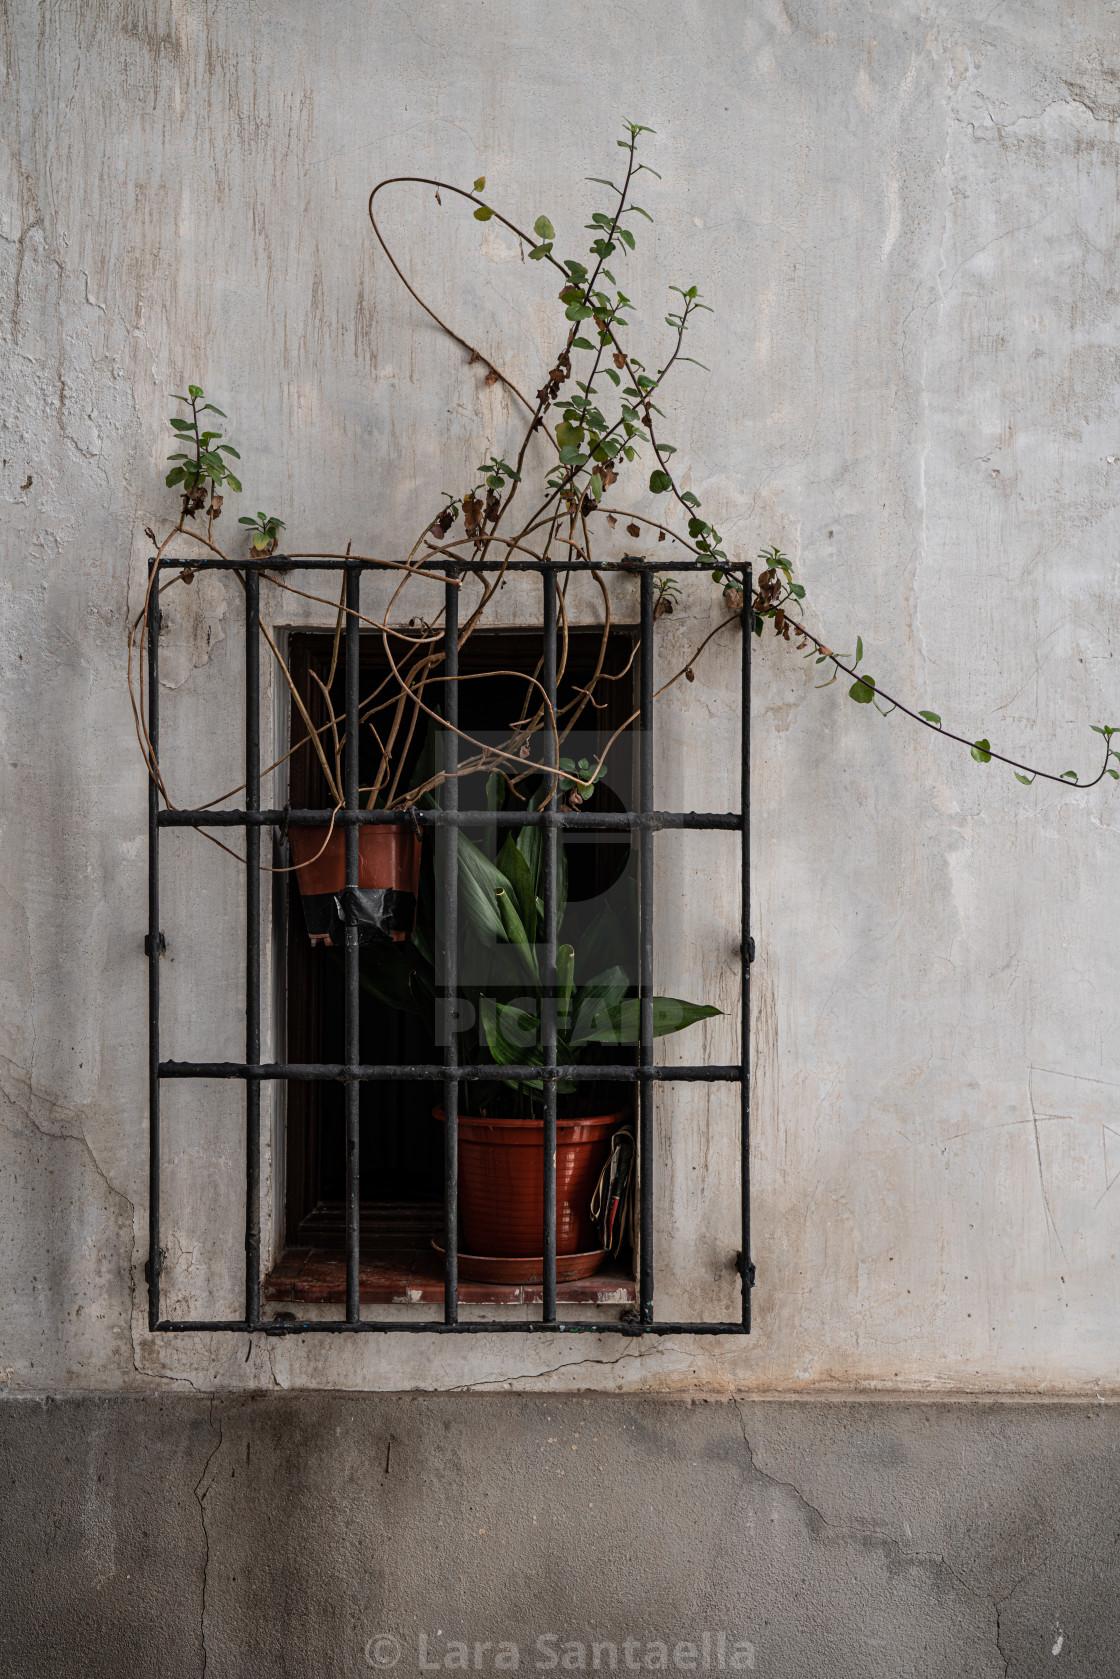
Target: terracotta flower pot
(501, 1189)
(388, 878)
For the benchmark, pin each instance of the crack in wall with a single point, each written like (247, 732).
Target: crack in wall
(498, 1383)
(892, 1551)
(200, 1499)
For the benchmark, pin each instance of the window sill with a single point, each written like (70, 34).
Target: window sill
(412, 1276)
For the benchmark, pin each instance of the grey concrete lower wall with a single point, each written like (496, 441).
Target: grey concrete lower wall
(333, 1535)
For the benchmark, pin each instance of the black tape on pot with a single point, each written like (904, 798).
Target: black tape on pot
(379, 912)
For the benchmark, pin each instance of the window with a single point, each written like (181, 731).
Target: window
(401, 1140)
(370, 1168)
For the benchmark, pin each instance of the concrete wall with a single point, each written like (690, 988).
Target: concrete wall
(289, 1535)
(905, 219)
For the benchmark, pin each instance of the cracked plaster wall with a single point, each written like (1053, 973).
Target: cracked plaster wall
(279, 1535)
(905, 218)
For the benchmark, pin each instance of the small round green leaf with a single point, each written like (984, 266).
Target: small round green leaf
(863, 691)
(659, 482)
(982, 752)
(482, 214)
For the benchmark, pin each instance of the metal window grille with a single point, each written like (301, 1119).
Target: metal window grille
(646, 822)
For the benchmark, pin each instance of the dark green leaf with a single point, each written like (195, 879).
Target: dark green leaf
(622, 1021)
(593, 1003)
(982, 752)
(565, 979)
(863, 691)
(479, 884)
(513, 865)
(659, 482)
(512, 1034)
(515, 931)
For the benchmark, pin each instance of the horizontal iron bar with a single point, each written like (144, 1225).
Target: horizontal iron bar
(339, 1071)
(433, 1326)
(607, 820)
(439, 563)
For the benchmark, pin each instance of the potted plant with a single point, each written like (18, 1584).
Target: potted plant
(500, 1002)
(588, 427)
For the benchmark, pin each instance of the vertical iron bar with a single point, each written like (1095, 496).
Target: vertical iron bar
(745, 947)
(252, 947)
(548, 965)
(645, 986)
(448, 841)
(154, 1255)
(353, 1035)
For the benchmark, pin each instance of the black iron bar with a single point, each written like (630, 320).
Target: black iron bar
(745, 949)
(546, 957)
(252, 946)
(613, 820)
(437, 563)
(645, 976)
(352, 1010)
(338, 1070)
(155, 1257)
(449, 845)
(434, 1326)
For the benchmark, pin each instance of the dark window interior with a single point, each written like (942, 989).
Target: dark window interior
(401, 1142)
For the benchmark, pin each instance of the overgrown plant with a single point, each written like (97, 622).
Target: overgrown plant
(596, 422)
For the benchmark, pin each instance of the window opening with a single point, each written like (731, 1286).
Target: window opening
(447, 1074)
(401, 1140)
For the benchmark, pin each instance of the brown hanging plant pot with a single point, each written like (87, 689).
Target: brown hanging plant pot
(388, 879)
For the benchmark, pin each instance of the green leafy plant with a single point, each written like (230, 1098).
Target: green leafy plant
(266, 530)
(203, 469)
(597, 1013)
(595, 428)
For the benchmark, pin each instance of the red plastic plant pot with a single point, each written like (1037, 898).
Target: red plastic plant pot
(388, 879)
(501, 1190)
